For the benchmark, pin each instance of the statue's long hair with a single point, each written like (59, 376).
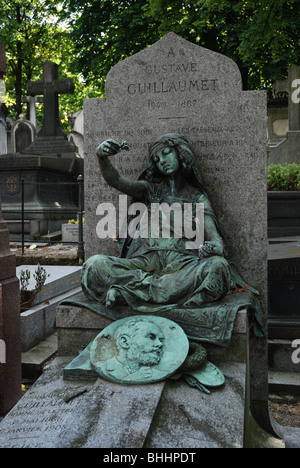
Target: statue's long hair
(186, 156)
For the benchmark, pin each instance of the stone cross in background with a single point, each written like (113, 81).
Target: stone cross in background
(50, 88)
(31, 101)
(10, 327)
(292, 87)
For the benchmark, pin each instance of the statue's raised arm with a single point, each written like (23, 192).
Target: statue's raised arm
(111, 175)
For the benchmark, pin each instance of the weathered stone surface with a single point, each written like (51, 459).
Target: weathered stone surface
(78, 326)
(189, 418)
(38, 322)
(10, 333)
(106, 415)
(176, 86)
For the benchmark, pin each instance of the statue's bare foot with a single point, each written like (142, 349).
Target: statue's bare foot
(113, 297)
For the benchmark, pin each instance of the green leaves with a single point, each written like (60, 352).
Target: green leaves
(87, 38)
(283, 177)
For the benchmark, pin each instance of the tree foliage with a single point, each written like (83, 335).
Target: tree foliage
(87, 38)
(106, 32)
(261, 36)
(30, 33)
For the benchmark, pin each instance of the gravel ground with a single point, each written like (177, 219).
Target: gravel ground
(285, 410)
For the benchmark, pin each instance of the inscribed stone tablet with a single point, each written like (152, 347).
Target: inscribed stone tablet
(139, 349)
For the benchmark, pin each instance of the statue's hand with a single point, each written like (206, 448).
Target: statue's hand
(110, 148)
(209, 249)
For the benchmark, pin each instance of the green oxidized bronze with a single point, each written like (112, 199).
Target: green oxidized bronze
(157, 275)
(154, 273)
(139, 350)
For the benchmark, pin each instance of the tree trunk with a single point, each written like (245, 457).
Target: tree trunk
(19, 67)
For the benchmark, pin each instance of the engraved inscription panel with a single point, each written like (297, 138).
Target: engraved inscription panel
(175, 86)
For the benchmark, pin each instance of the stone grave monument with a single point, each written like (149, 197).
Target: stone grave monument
(10, 328)
(288, 150)
(31, 102)
(23, 134)
(172, 87)
(49, 166)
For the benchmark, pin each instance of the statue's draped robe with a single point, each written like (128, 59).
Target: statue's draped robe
(160, 276)
(159, 273)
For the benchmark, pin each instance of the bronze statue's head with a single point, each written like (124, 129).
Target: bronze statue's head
(187, 160)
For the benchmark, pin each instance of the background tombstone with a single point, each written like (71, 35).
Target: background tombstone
(288, 150)
(49, 167)
(10, 327)
(23, 134)
(31, 102)
(176, 86)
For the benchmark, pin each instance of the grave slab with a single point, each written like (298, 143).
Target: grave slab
(61, 414)
(38, 322)
(61, 279)
(35, 359)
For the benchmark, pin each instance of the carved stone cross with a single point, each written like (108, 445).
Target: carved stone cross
(50, 88)
(32, 100)
(292, 87)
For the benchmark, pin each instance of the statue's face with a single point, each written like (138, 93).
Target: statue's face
(167, 161)
(146, 345)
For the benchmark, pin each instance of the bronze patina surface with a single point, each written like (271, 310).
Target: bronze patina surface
(139, 350)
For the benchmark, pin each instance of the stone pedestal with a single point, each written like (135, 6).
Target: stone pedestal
(50, 190)
(78, 326)
(10, 330)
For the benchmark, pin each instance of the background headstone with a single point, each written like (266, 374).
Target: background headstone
(288, 150)
(176, 86)
(23, 134)
(10, 328)
(49, 166)
(31, 103)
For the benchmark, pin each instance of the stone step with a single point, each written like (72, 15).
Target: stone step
(34, 360)
(52, 236)
(39, 322)
(285, 383)
(282, 356)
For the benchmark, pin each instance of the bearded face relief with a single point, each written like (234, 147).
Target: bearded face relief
(139, 350)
